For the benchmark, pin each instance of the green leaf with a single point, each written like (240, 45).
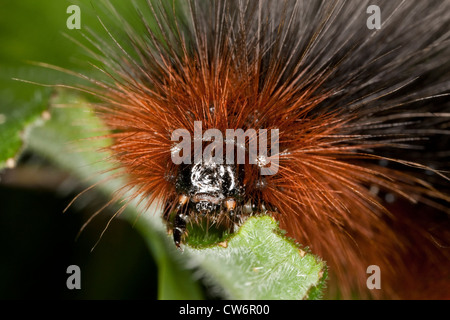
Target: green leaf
(260, 263)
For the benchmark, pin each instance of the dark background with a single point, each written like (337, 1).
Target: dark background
(38, 241)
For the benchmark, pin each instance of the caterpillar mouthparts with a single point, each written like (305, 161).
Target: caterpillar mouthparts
(356, 115)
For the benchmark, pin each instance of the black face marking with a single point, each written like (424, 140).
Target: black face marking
(214, 191)
(209, 184)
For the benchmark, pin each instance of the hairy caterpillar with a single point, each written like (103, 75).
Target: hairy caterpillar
(360, 113)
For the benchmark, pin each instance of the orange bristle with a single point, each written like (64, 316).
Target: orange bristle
(338, 109)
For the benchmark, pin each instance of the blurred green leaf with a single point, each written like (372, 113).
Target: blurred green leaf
(34, 32)
(29, 31)
(20, 106)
